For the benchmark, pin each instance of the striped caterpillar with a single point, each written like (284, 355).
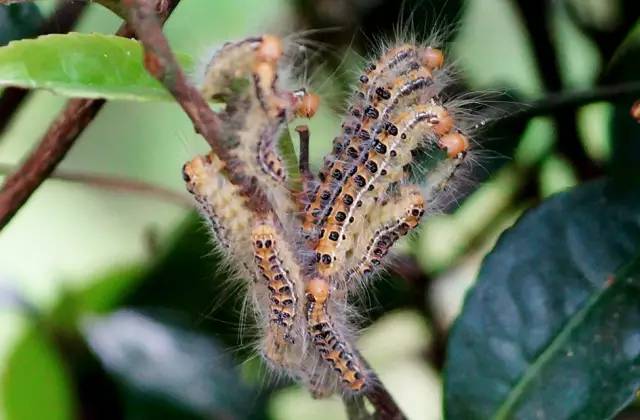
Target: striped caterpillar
(301, 268)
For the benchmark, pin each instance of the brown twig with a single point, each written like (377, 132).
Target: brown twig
(386, 407)
(536, 19)
(115, 184)
(59, 139)
(62, 20)
(161, 64)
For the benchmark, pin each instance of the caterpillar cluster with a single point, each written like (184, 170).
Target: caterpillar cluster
(300, 267)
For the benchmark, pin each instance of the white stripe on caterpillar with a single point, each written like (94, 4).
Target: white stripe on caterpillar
(393, 220)
(391, 151)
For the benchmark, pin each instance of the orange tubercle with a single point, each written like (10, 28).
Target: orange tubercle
(455, 143)
(433, 58)
(318, 288)
(635, 110)
(270, 49)
(308, 105)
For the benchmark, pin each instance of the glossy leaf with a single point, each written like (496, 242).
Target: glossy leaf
(552, 328)
(18, 21)
(81, 65)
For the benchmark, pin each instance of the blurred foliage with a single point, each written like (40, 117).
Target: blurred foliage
(117, 309)
(19, 21)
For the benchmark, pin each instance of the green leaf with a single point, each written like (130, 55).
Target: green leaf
(35, 384)
(18, 21)
(549, 331)
(82, 65)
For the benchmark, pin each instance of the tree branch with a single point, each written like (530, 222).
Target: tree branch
(161, 64)
(116, 184)
(61, 21)
(59, 139)
(535, 16)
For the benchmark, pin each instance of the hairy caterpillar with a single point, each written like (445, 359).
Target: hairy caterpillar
(393, 220)
(304, 269)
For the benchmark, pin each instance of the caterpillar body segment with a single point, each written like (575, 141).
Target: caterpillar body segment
(281, 274)
(443, 180)
(377, 116)
(285, 346)
(329, 342)
(393, 220)
(223, 207)
(391, 151)
(231, 62)
(395, 62)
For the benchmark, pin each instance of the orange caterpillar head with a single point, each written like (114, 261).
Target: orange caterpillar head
(318, 288)
(270, 49)
(455, 144)
(432, 58)
(306, 103)
(635, 111)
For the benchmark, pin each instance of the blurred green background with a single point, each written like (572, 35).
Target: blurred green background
(111, 304)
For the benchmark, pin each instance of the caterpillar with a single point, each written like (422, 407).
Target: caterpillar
(393, 220)
(391, 151)
(281, 275)
(329, 342)
(223, 207)
(399, 73)
(305, 269)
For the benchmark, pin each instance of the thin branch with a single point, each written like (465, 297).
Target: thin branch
(160, 62)
(62, 20)
(115, 184)
(554, 102)
(536, 19)
(58, 140)
(386, 407)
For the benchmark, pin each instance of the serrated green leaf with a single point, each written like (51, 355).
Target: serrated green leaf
(82, 65)
(552, 330)
(18, 21)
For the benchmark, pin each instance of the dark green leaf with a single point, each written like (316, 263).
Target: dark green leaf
(549, 331)
(189, 278)
(19, 21)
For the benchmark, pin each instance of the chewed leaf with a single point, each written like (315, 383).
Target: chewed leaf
(82, 65)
